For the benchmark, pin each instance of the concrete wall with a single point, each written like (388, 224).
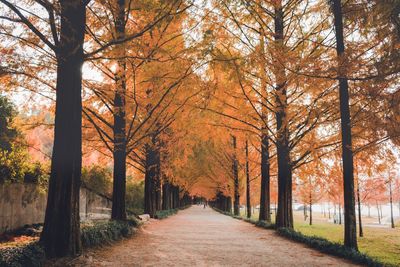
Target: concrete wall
(22, 204)
(94, 206)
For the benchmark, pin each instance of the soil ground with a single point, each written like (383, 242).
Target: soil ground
(203, 237)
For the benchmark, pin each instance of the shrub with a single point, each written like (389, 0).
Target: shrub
(28, 255)
(98, 179)
(162, 214)
(105, 232)
(134, 196)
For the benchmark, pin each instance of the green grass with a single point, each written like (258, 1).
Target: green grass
(380, 243)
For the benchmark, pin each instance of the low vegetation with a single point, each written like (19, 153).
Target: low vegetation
(105, 232)
(326, 246)
(162, 214)
(98, 233)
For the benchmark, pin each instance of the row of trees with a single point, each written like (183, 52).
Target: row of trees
(115, 70)
(302, 80)
(198, 96)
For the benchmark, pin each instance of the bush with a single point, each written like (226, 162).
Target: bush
(329, 247)
(162, 214)
(98, 179)
(28, 255)
(134, 196)
(105, 232)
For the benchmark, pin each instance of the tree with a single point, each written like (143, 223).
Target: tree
(350, 233)
(248, 198)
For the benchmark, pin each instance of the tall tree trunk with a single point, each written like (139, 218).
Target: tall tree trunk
(235, 169)
(151, 174)
(340, 214)
(379, 216)
(329, 211)
(391, 203)
(265, 201)
(311, 203)
(157, 184)
(248, 182)
(284, 216)
(61, 231)
(350, 228)
(229, 204)
(360, 228)
(118, 211)
(166, 195)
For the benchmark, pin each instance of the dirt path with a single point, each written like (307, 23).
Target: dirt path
(203, 237)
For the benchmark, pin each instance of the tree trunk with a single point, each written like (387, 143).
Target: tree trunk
(284, 216)
(311, 203)
(265, 201)
(350, 228)
(379, 216)
(118, 211)
(157, 184)
(151, 174)
(391, 203)
(360, 229)
(166, 195)
(329, 211)
(61, 231)
(334, 213)
(229, 204)
(248, 182)
(340, 215)
(236, 208)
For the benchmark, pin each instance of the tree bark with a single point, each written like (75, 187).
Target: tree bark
(229, 200)
(61, 231)
(248, 200)
(166, 195)
(360, 228)
(265, 201)
(391, 203)
(236, 208)
(151, 174)
(311, 203)
(118, 211)
(284, 215)
(350, 228)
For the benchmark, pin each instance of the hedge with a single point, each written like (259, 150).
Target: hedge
(162, 214)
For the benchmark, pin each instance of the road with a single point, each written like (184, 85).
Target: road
(203, 237)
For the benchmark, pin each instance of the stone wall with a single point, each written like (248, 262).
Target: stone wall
(25, 204)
